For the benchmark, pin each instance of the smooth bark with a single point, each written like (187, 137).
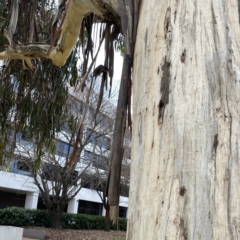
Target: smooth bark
(185, 150)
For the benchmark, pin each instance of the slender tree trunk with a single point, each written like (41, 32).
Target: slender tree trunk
(107, 218)
(113, 192)
(186, 134)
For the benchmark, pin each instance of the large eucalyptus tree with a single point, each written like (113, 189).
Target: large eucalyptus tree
(185, 139)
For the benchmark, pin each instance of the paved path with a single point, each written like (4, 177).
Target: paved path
(28, 239)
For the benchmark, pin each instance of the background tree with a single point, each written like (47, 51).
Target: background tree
(99, 174)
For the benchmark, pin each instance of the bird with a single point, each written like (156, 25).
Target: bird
(98, 70)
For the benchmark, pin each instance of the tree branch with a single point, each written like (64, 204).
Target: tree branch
(76, 11)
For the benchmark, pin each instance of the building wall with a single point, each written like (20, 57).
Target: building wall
(19, 190)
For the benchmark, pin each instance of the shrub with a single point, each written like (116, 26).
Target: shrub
(16, 216)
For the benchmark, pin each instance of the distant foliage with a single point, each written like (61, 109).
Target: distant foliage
(16, 216)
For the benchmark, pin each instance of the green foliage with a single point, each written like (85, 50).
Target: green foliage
(26, 217)
(34, 101)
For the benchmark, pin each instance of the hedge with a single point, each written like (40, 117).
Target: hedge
(16, 216)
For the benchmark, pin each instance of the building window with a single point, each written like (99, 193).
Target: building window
(92, 208)
(10, 199)
(91, 181)
(42, 205)
(122, 212)
(91, 136)
(63, 149)
(98, 140)
(100, 162)
(51, 172)
(19, 164)
(96, 160)
(24, 139)
(54, 173)
(88, 157)
(23, 166)
(103, 142)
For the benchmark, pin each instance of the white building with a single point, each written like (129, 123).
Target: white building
(17, 186)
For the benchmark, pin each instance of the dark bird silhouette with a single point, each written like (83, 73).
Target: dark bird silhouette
(98, 70)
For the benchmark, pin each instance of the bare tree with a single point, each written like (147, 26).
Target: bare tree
(57, 183)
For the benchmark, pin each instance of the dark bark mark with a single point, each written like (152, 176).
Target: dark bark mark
(230, 137)
(183, 229)
(167, 21)
(183, 56)
(215, 143)
(152, 143)
(140, 130)
(215, 30)
(182, 191)
(213, 15)
(160, 109)
(227, 175)
(164, 88)
(158, 71)
(175, 15)
(229, 192)
(165, 82)
(175, 12)
(146, 40)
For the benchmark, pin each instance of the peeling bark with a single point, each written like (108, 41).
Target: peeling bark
(128, 11)
(76, 11)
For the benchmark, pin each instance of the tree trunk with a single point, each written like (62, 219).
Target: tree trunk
(114, 178)
(107, 218)
(186, 134)
(56, 219)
